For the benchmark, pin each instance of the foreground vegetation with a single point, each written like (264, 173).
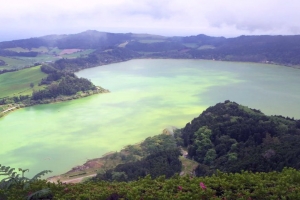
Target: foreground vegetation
(244, 185)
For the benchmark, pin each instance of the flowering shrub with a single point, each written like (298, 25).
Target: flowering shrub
(244, 185)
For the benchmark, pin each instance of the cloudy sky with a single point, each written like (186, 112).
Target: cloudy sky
(32, 18)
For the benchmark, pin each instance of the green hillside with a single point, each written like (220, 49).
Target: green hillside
(231, 137)
(18, 83)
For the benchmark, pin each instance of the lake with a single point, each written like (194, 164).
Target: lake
(146, 97)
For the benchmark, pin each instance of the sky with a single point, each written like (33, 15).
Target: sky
(20, 19)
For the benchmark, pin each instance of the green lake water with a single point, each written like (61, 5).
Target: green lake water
(146, 97)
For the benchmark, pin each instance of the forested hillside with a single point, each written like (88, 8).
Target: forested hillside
(278, 49)
(99, 57)
(231, 137)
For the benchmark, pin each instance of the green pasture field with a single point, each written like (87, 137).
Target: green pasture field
(191, 45)
(148, 36)
(40, 49)
(83, 53)
(206, 47)
(13, 63)
(18, 83)
(45, 55)
(20, 49)
(147, 41)
(39, 59)
(55, 50)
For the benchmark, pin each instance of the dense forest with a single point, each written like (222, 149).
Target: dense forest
(155, 156)
(231, 137)
(161, 163)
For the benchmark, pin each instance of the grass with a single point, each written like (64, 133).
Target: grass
(13, 63)
(40, 49)
(55, 50)
(40, 58)
(83, 53)
(18, 83)
(188, 166)
(20, 49)
(203, 47)
(148, 41)
(45, 55)
(191, 45)
(123, 44)
(147, 36)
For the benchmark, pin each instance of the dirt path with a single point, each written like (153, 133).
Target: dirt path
(75, 180)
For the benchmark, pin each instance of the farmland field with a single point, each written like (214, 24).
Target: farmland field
(20, 49)
(151, 40)
(13, 63)
(18, 83)
(83, 52)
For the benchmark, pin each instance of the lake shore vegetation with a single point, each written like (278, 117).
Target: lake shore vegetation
(151, 169)
(50, 86)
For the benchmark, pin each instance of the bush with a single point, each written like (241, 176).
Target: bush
(244, 185)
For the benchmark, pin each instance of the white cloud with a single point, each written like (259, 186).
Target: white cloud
(164, 17)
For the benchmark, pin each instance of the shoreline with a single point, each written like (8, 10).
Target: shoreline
(69, 98)
(59, 99)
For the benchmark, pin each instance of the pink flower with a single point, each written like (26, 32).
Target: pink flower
(202, 186)
(180, 188)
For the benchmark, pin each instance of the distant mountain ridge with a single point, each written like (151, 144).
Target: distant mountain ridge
(84, 40)
(278, 49)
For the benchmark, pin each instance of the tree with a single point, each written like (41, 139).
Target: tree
(210, 156)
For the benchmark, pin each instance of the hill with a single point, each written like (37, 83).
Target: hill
(283, 50)
(227, 137)
(231, 137)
